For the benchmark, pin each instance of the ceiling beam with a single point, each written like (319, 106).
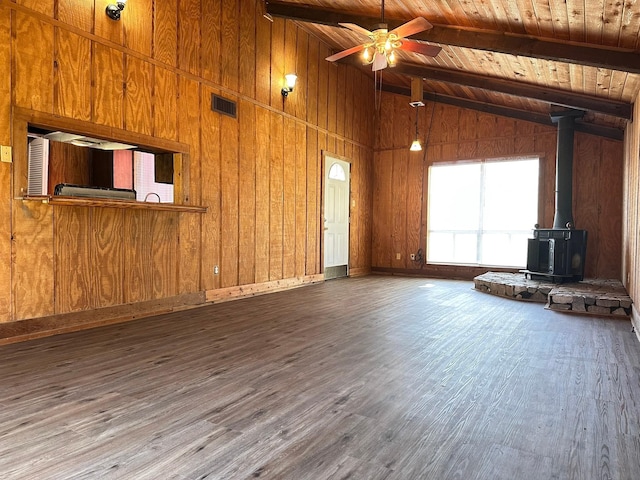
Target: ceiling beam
(516, 113)
(622, 59)
(511, 87)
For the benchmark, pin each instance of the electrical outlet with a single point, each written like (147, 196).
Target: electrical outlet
(398, 256)
(216, 270)
(5, 153)
(413, 256)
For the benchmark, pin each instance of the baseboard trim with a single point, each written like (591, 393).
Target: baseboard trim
(359, 272)
(32, 328)
(253, 289)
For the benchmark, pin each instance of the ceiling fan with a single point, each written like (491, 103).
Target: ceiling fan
(379, 51)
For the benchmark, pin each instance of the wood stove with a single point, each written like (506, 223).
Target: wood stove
(558, 254)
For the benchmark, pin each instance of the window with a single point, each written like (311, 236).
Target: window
(482, 212)
(336, 172)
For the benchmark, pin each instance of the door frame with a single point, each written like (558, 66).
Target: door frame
(323, 186)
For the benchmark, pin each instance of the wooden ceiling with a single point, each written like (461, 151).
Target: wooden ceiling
(520, 58)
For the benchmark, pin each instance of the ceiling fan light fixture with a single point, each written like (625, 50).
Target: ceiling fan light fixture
(391, 58)
(367, 55)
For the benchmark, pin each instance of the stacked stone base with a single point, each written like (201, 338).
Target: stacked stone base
(591, 296)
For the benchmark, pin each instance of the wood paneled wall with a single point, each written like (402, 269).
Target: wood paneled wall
(153, 73)
(399, 205)
(631, 209)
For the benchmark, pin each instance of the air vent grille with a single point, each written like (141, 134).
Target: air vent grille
(223, 106)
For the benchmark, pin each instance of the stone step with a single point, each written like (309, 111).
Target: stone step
(590, 296)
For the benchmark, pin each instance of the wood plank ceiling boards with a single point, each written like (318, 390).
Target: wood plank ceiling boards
(522, 59)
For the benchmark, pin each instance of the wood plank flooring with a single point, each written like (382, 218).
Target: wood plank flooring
(366, 378)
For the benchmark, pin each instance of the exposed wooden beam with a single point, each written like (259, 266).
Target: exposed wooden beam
(520, 89)
(621, 59)
(535, 117)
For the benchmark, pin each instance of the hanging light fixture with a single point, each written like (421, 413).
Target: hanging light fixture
(416, 146)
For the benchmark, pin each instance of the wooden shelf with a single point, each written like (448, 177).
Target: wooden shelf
(112, 203)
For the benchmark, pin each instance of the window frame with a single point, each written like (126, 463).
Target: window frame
(482, 160)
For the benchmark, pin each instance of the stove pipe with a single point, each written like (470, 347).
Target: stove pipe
(563, 218)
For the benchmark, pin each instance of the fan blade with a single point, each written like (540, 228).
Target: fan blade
(379, 62)
(422, 48)
(345, 53)
(356, 28)
(418, 24)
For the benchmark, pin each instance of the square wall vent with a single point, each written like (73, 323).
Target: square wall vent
(223, 106)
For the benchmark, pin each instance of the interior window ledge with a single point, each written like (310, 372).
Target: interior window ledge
(59, 200)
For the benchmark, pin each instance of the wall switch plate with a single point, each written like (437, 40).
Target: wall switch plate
(5, 153)
(398, 256)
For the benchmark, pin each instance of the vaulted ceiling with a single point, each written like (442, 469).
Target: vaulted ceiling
(520, 58)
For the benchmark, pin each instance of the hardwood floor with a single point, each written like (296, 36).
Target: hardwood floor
(367, 378)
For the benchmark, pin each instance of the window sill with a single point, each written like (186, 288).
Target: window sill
(112, 203)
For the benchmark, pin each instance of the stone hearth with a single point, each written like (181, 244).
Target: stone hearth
(590, 296)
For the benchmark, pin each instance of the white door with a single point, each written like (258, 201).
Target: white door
(336, 212)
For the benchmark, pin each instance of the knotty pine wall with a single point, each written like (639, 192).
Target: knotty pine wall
(400, 180)
(631, 209)
(153, 73)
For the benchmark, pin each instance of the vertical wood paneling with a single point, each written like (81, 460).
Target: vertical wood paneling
(340, 98)
(313, 179)
(189, 35)
(107, 257)
(398, 208)
(415, 202)
(323, 87)
(289, 199)
(165, 108)
(210, 174)
(138, 270)
(32, 260)
(290, 66)
(42, 6)
(300, 198)
(277, 62)
(322, 149)
(73, 275)
(189, 253)
(263, 202)
(247, 194)
(229, 201)
(332, 98)
(259, 176)
(263, 58)
(137, 21)
(585, 203)
(77, 14)
(301, 70)
(33, 63)
(72, 78)
(247, 47)
(137, 96)
(164, 265)
(489, 136)
(165, 31)
(5, 168)
(230, 44)
(108, 92)
(610, 209)
(382, 198)
(312, 81)
(105, 27)
(276, 195)
(189, 131)
(211, 16)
